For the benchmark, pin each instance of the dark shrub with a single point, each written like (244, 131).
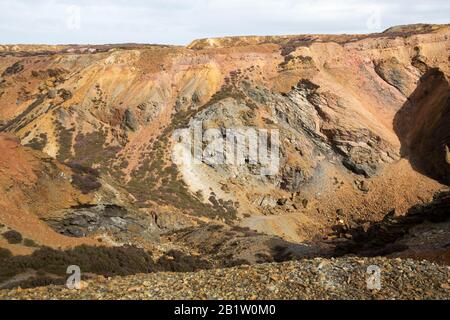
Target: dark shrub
(12, 70)
(51, 265)
(65, 94)
(12, 236)
(4, 253)
(85, 178)
(98, 260)
(85, 183)
(38, 143)
(80, 169)
(30, 243)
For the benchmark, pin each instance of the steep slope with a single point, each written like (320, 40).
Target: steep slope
(362, 121)
(33, 187)
(422, 125)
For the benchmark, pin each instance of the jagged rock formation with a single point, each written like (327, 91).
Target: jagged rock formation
(362, 119)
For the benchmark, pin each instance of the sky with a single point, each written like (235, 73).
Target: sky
(180, 22)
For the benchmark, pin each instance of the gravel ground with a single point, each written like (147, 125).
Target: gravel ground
(343, 278)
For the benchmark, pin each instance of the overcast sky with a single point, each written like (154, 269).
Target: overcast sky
(181, 21)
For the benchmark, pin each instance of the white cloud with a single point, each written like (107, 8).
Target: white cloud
(179, 22)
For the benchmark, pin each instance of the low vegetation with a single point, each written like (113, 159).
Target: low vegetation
(13, 237)
(50, 265)
(85, 178)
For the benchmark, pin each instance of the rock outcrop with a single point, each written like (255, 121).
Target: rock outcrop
(359, 124)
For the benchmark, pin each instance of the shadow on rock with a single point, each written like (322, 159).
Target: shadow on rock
(381, 238)
(423, 126)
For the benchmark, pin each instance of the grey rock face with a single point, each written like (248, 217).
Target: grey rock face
(129, 121)
(88, 220)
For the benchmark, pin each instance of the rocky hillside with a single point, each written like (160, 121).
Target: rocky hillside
(88, 154)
